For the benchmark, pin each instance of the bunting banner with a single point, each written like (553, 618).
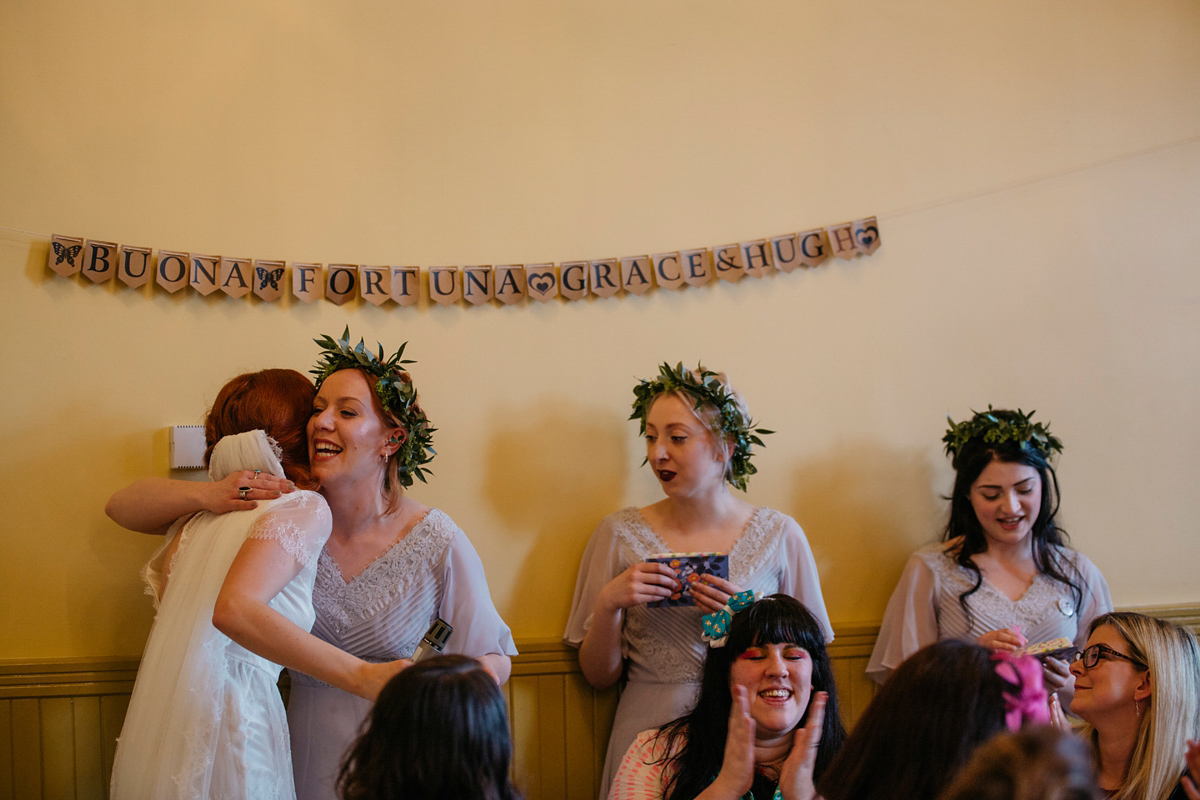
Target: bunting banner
(476, 285)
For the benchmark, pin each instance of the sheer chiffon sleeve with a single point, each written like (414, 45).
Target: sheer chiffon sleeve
(601, 563)
(799, 576)
(910, 621)
(467, 605)
(299, 522)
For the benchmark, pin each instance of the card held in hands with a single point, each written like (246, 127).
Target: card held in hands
(1062, 647)
(688, 568)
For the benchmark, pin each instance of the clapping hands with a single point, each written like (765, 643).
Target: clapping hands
(796, 772)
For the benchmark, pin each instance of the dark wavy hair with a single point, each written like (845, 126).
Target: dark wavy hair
(969, 463)
(921, 727)
(438, 731)
(697, 739)
(278, 401)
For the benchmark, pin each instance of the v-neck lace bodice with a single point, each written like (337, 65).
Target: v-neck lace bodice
(379, 615)
(925, 608)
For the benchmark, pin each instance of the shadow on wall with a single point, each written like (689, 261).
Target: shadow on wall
(865, 508)
(553, 471)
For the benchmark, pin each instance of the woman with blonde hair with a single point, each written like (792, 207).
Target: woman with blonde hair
(1137, 686)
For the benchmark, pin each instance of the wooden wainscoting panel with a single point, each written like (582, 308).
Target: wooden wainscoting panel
(855, 689)
(523, 719)
(579, 762)
(1186, 615)
(59, 719)
(89, 750)
(552, 735)
(6, 762)
(112, 716)
(605, 713)
(589, 719)
(849, 653)
(26, 749)
(58, 746)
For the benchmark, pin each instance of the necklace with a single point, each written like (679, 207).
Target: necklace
(777, 796)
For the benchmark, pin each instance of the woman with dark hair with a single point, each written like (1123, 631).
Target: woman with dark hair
(438, 731)
(1003, 575)
(1137, 686)
(234, 597)
(766, 722)
(624, 619)
(927, 720)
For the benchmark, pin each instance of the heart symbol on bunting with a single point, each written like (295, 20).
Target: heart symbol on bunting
(866, 235)
(541, 282)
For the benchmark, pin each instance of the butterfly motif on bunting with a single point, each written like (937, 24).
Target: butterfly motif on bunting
(65, 253)
(268, 277)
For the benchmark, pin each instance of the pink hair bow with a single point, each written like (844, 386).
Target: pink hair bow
(1029, 703)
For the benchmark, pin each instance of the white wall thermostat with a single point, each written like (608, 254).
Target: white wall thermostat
(187, 447)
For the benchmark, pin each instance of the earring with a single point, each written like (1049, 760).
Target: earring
(1137, 707)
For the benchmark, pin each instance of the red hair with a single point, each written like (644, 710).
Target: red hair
(278, 401)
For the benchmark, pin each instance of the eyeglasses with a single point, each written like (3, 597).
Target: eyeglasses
(1093, 655)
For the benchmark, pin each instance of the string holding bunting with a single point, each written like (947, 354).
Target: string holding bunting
(474, 285)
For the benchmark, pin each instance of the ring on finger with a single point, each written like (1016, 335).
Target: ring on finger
(256, 472)
(243, 491)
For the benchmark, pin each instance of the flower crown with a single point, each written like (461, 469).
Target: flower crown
(993, 427)
(396, 393)
(704, 388)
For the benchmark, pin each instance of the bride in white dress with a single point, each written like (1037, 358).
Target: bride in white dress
(234, 598)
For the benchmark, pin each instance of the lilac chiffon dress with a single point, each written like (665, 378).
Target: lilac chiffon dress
(380, 615)
(924, 607)
(662, 648)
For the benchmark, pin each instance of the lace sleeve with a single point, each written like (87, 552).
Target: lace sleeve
(799, 576)
(300, 522)
(910, 621)
(600, 564)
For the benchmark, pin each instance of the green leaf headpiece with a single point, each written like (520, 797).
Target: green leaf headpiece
(394, 388)
(997, 427)
(705, 388)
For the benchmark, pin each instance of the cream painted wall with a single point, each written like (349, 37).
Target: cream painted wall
(1035, 167)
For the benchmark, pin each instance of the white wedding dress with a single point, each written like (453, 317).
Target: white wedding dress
(206, 719)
